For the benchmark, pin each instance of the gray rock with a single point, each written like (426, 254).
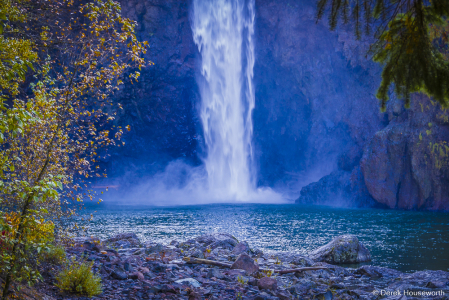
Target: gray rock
(267, 283)
(325, 296)
(127, 266)
(119, 274)
(136, 276)
(302, 286)
(264, 296)
(435, 284)
(161, 267)
(394, 160)
(197, 253)
(235, 272)
(123, 244)
(92, 258)
(209, 239)
(284, 295)
(189, 281)
(225, 244)
(240, 248)
(377, 272)
(245, 262)
(156, 248)
(123, 236)
(214, 273)
(422, 279)
(344, 249)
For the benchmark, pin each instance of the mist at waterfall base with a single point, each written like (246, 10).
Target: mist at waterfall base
(223, 32)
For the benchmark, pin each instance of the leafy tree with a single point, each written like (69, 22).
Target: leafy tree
(404, 44)
(69, 57)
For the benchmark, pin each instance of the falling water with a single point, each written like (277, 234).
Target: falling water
(223, 31)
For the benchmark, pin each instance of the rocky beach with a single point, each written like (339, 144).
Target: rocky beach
(218, 266)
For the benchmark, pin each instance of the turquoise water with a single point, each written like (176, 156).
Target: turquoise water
(404, 240)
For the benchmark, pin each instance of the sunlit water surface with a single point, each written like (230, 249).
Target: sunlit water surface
(403, 240)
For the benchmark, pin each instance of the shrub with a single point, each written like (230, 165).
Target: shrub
(54, 255)
(78, 278)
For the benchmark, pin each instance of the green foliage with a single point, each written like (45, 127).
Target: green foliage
(55, 254)
(440, 154)
(69, 56)
(17, 54)
(242, 280)
(78, 278)
(437, 151)
(406, 31)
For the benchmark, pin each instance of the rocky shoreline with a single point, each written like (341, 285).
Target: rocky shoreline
(188, 270)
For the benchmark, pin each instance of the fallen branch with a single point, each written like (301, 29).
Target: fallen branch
(192, 260)
(299, 270)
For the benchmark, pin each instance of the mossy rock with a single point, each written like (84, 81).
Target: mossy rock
(344, 249)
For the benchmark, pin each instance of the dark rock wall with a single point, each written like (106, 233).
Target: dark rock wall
(161, 107)
(405, 164)
(317, 124)
(314, 94)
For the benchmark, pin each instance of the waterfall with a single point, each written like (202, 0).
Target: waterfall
(223, 31)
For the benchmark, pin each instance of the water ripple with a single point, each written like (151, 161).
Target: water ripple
(407, 241)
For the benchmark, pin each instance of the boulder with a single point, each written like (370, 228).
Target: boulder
(400, 169)
(228, 244)
(119, 274)
(136, 276)
(245, 262)
(122, 236)
(240, 248)
(154, 248)
(124, 240)
(197, 253)
(302, 286)
(344, 249)
(215, 238)
(267, 283)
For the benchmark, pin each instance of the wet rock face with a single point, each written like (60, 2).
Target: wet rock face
(345, 249)
(161, 107)
(314, 93)
(401, 168)
(340, 188)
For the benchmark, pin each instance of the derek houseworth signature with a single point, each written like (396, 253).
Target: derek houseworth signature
(412, 293)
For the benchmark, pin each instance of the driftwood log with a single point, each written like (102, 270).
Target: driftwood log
(192, 260)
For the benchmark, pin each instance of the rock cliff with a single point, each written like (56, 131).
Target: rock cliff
(405, 165)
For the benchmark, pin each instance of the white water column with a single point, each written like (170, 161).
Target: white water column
(223, 30)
